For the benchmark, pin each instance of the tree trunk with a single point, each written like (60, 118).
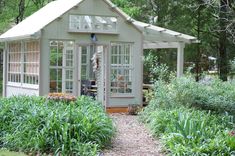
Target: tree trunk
(21, 7)
(198, 58)
(223, 60)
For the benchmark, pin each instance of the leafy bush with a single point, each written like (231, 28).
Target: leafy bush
(35, 124)
(216, 95)
(193, 118)
(155, 70)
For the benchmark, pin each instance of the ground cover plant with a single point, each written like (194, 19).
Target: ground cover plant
(38, 125)
(193, 118)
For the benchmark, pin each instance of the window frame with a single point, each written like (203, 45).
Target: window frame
(63, 67)
(36, 63)
(81, 22)
(122, 66)
(15, 64)
(88, 66)
(22, 52)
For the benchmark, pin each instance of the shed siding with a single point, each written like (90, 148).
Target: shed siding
(14, 91)
(58, 30)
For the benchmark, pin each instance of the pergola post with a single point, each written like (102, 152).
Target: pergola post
(180, 59)
(5, 60)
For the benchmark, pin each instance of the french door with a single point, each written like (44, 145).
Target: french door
(92, 71)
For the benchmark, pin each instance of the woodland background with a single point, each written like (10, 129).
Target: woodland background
(211, 21)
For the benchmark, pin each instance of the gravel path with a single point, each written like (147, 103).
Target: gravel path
(132, 138)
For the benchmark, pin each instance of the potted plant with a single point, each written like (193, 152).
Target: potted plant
(133, 108)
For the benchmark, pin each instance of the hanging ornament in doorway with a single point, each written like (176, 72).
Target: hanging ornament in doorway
(93, 38)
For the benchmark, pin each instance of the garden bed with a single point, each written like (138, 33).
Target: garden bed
(193, 118)
(38, 125)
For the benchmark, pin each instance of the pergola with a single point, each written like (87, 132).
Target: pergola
(160, 38)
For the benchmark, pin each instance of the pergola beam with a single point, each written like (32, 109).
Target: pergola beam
(161, 45)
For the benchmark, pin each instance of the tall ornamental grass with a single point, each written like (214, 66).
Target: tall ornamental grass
(39, 125)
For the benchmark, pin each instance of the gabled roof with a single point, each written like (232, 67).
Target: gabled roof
(37, 21)
(31, 26)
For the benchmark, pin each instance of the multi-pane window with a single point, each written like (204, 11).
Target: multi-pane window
(31, 62)
(87, 53)
(14, 62)
(61, 66)
(93, 23)
(121, 68)
(23, 62)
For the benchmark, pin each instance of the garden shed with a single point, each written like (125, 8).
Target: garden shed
(83, 47)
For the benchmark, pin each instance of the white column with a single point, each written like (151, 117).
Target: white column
(180, 59)
(5, 69)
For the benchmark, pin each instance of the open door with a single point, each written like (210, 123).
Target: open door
(92, 71)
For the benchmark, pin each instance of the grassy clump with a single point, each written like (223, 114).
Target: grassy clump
(193, 118)
(35, 124)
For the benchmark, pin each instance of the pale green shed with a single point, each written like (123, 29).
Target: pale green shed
(80, 46)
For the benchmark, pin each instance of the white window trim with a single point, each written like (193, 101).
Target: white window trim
(23, 85)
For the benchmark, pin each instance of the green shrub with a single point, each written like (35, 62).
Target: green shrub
(216, 96)
(193, 118)
(191, 132)
(155, 70)
(35, 124)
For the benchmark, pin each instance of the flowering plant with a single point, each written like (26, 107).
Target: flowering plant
(231, 133)
(231, 139)
(61, 97)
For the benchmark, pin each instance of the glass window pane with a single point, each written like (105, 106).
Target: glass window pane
(62, 62)
(89, 23)
(53, 74)
(53, 56)
(121, 68)
(53, 80)
(84, 59)
(84, 72)
(60, 56)
(84, 50)
(69, 75)
(69, 85)
(69, 63)
(59, 74)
